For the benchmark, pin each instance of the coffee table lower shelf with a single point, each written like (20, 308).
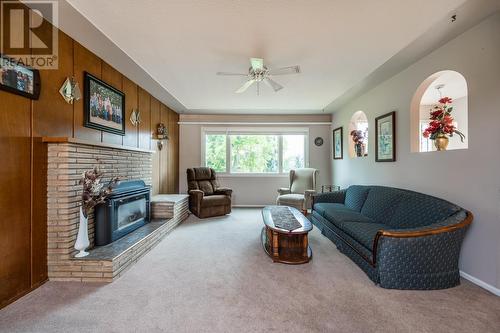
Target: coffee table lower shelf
(286, 248)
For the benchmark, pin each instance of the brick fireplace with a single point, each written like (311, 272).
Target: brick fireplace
(67, 160)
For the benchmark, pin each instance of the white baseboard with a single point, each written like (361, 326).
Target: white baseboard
(480, 283)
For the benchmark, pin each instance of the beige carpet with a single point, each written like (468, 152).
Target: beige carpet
(213, 276)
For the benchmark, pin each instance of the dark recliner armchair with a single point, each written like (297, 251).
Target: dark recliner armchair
(206, 197)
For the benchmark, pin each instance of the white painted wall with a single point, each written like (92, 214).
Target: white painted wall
(468, 177)
(253, 190)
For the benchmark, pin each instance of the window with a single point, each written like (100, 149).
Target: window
(293, 151)
(254, 151)
(425, 143)
(215, 148)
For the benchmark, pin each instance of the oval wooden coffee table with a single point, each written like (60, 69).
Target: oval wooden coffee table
(282, 245)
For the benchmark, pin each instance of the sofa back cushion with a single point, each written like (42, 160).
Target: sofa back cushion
(381, 203)
(355, 197)
(418, 210)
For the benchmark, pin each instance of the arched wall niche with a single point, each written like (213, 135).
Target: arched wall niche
(445, 83)
(359, 124)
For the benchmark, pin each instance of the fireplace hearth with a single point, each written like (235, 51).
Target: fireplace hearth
(125, 210)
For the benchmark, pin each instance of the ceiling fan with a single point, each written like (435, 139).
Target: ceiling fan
(258, 73)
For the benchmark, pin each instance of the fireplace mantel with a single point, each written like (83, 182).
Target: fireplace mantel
(93, 143)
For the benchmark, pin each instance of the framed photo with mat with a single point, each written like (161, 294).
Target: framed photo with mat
(338, 144)
(104, 106)
(385, 137)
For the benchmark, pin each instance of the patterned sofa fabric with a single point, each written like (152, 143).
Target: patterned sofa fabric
(330, 197)
(353, 242)
(342, 216)
(401, 239)
(382, 202)
(418, 210)
(323, 207)
(346, 244)
(355, 197)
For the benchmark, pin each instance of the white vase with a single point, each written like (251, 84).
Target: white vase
(82, 240)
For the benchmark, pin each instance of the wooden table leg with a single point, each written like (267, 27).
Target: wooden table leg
(305, 245)
(275, 243)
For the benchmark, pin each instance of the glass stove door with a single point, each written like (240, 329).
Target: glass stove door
(131, 212)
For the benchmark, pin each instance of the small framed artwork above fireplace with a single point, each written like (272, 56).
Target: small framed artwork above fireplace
(104, 106)
(125, 210)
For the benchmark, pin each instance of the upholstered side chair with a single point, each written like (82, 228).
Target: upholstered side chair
(206, 197)
(302, 188)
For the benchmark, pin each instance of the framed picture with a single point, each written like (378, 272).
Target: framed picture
(19, 79)
(385, 137)
(338, 144)
(104, 106)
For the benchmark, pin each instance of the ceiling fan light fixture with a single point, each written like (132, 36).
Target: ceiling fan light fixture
(259, 73)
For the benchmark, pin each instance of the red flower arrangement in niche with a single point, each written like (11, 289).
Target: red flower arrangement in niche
(441, 121)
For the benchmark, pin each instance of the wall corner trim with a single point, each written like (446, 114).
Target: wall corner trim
(480, 283)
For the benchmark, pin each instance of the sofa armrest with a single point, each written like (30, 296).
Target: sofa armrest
(460, 219)
(284, 190)
(224, 190)
(332, 197)
(410, 256)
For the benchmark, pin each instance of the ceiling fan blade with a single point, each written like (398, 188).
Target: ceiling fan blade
(245, 86)
(230, 74)
(257, 63)
(273, 84)
(285, 70)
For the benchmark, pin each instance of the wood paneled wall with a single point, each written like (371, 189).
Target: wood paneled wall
(23, 122)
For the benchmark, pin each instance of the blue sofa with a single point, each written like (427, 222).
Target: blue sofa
(401, 239)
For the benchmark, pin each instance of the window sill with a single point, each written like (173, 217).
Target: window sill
(252, 175)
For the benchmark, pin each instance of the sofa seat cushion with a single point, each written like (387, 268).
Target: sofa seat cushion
(355, 197)
(322, 207)
(330, 229)
(338, 217)
(215, 200)
(363, 232)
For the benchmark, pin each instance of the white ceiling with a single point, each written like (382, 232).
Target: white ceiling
(337, 43)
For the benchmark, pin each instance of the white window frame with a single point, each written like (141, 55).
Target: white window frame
(255, 130)
(429, 146)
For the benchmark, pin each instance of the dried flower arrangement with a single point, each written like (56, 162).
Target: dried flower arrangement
(95, 192)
